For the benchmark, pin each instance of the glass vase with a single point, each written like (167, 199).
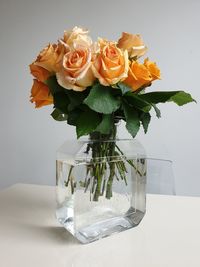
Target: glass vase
(101, 186)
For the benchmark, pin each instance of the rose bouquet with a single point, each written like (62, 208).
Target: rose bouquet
(94, 85)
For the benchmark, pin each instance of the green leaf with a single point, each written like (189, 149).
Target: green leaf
(53, 85)
(76, 98)
(137, 102)
(157, 110)
(87, 122)
(58, 115)
(124, 88)
(106, 124)
(145, 119)
(178, 97)
(73, 116)
(182, 98)
(61, 101)
(158, 97)
(101, 99)
(132, 120)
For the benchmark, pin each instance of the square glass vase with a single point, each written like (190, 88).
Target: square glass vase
(100, 187)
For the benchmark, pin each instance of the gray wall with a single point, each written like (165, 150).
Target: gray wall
(29, 138)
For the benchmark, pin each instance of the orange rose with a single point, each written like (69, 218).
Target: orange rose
(50, 58)
(153, 69)
(133, 43)
(76, 37)
(40, 94)
(76, 73)
(60, 51)
(39, 73)
(138, 76)
(111, 63)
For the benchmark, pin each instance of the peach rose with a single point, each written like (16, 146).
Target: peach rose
(138, 76)
(133, 43)
(153, 69)
(76, 73)
(39, 73)
(76, 37)
(50, 58)
(111, 63)
(40, 94)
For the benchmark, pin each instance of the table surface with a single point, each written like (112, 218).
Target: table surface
(169, 234)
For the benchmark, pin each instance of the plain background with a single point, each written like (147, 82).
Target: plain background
(29, 138)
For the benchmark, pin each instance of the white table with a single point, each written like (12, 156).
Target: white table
(169, 234)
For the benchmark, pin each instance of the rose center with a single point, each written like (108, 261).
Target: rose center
(111, 53)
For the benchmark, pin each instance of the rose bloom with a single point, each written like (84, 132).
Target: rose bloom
(110, 64)
(50, 58)
(40, 94)
(39, 73)
(153, 69)
(138, 76)
(76, 37)
(60, 51)
(76, 73)
(133, 43)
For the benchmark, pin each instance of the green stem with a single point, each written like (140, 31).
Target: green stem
(112, 169)
(110, 180)
(100, 152)
(130, 162)
(69, 178)
(98, 176)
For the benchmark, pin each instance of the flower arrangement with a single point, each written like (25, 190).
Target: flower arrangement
(93, 85)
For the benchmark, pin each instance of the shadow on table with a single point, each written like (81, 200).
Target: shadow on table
(56, 234)
(51, 234)
(36, 233)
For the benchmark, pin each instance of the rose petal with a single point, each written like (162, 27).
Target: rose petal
(62, 81)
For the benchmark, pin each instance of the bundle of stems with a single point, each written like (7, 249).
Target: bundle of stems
(107, 163)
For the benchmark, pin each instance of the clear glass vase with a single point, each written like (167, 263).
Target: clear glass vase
(101, 187)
